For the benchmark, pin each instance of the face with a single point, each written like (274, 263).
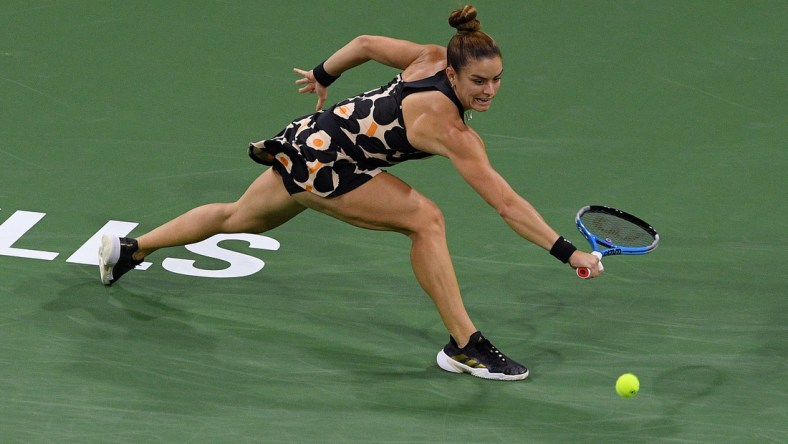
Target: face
(477, 83)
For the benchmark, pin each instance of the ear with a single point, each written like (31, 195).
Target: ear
(451, 74)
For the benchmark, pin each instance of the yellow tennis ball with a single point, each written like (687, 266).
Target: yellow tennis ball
(627, 385)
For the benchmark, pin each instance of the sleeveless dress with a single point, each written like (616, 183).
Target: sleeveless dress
(335, 151)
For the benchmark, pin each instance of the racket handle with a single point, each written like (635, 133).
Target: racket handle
(585, 272)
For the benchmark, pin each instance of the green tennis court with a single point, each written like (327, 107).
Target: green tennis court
(128, 113)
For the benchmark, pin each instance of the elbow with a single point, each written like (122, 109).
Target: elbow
(505, 209)
(364, 43)
(510, 206)
(362, 48)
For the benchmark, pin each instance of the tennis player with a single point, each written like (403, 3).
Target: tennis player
(332, 162)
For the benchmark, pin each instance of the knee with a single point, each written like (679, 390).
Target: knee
(429, 220)
(235, 220)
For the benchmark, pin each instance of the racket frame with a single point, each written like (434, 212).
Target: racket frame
(603, 247)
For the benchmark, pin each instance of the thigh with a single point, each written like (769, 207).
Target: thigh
(266, 204)
(384, 203)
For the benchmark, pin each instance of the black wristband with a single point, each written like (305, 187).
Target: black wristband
(562, 249)
(322, 76)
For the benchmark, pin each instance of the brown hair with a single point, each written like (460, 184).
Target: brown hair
(470, 42)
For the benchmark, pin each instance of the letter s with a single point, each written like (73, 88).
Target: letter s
(240, 264)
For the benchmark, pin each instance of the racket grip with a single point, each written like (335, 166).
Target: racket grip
(585, 272)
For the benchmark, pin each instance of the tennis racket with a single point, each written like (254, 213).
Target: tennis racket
(612, 232)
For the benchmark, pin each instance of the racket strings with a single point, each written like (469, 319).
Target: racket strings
(617, 231)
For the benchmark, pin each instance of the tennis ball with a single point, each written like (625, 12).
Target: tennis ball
(627, 385)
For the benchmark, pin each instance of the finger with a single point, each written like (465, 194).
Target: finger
(300, 71)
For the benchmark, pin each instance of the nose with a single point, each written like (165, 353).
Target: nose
(489, 89)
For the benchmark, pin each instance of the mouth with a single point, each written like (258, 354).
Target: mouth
(483, 101)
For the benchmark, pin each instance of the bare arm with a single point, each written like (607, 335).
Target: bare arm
(401, 54)
(463, 146)
(470, 160)
(396, 53)
(474, 166)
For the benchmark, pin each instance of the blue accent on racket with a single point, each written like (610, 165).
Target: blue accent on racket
(614, 232)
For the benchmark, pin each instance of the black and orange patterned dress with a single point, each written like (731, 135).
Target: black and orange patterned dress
(339, 149)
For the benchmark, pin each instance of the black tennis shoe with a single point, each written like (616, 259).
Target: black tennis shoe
(481, 359)
(115, 257)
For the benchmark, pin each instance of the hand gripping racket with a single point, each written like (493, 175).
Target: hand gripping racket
(612, 232)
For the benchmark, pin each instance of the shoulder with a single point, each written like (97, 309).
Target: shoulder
(434, 126)
(431, 59)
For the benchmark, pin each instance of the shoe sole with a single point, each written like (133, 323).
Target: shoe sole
(109, 253)
(450, 365)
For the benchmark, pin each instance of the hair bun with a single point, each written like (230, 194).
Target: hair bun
(464, 20)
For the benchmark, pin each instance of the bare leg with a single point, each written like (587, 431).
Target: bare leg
(387, 203)
(264, 206)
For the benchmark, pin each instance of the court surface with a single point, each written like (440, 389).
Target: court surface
(130, 113)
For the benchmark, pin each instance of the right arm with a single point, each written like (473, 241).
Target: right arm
(431, 131)
(413, 58)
